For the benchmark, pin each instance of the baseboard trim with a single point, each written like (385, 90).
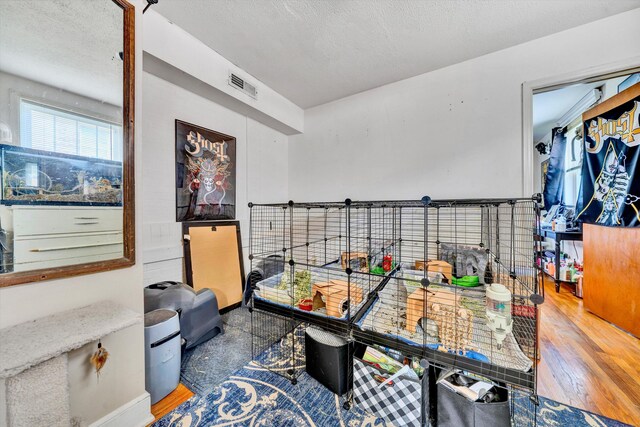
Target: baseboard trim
(231, 307)
(136, 413)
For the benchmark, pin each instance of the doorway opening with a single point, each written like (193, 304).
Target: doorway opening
(582, 356)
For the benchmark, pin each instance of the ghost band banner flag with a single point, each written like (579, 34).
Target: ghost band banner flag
(205, 174)
(610, 170)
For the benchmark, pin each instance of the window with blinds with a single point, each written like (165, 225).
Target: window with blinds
(46, 128)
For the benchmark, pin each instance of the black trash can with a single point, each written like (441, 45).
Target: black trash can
(328, 358)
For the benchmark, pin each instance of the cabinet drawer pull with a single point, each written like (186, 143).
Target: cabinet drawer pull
(87, 217)
(86, 223)
(64, 248)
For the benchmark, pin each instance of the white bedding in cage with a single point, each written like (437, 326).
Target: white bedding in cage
(388, 316)
(267, 288)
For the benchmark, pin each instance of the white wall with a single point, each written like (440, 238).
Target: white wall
(261, 176)
(610, 87)
(451, 133)
(175, 47)
(122, 379)
(261, 171)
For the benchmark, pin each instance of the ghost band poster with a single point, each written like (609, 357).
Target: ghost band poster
(205, 174)
(610, 171)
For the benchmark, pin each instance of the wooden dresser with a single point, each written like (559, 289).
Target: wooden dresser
(45, 237)
(612, 275)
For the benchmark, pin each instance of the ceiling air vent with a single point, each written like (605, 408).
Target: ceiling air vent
(240, 84)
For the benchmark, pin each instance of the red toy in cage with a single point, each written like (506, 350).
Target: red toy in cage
(387, 262)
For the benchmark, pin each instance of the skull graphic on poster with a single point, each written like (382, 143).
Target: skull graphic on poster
(610, 181)
(205, 175)
(208, 179)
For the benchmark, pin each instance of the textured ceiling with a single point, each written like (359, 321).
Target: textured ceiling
(315, 51)
(69, 44)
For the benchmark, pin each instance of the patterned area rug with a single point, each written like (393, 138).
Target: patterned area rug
(212, 362)
(255, 396)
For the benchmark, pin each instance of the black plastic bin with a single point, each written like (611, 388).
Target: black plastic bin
(328, 358)
(450, 409)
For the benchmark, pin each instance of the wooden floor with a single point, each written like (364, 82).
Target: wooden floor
(585, 361)
(171, 401)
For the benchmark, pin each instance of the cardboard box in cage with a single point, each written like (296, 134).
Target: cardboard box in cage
(443, 307)
(358, 261)
(436, 266)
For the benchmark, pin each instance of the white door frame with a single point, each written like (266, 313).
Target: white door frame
(549, 82)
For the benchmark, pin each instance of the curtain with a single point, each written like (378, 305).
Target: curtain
(554, 187)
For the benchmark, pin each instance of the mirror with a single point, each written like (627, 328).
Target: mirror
(66, 138)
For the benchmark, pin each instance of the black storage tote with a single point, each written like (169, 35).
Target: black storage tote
(455, 410)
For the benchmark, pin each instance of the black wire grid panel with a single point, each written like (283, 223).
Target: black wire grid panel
(277, 343)
(409, 275)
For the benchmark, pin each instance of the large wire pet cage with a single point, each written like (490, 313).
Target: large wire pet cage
(450, 281)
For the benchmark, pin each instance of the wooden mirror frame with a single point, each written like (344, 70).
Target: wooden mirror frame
(128, 170)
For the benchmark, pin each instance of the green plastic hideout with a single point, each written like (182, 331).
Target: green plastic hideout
(466, 281)
(380, 271)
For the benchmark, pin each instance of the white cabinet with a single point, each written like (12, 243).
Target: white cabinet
(45, 237)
